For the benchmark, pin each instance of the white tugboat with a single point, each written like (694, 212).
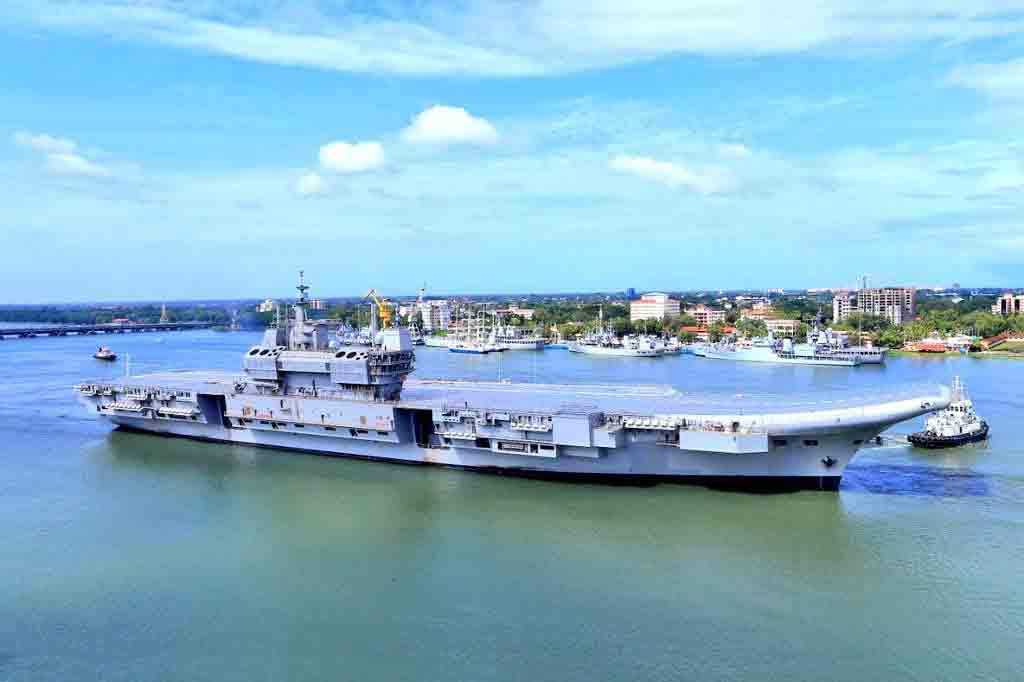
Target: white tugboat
(956, 425)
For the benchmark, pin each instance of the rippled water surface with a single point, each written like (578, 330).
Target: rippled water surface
(130, 557)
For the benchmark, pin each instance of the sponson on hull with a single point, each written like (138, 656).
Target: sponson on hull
(299, 391)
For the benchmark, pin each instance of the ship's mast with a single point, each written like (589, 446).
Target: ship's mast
(303, 288)
(296, 335)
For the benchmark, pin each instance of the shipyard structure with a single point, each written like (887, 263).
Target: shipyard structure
(299, 390)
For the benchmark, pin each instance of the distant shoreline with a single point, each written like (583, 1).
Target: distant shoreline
(948, 353)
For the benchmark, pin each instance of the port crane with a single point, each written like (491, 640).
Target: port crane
(383, 308)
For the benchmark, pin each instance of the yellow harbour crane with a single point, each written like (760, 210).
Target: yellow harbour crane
(383, 308)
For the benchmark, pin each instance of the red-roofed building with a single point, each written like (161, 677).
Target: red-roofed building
(702, 332)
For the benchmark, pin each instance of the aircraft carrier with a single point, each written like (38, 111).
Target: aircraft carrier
(299, 390)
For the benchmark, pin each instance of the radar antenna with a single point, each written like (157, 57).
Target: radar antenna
(303, 288)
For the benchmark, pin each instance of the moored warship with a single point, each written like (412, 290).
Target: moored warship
(300, 391)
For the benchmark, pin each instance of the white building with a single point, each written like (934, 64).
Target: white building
(782, 328)
(653, 306)
(437, 315)
(1008, 304)
(266, 307)
(317, 304)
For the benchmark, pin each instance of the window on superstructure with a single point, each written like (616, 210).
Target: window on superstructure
(811, 443)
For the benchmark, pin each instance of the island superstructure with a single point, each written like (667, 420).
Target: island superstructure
(298, 390)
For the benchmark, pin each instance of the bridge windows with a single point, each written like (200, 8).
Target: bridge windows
(811, 443)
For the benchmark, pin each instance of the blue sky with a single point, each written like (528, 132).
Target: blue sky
(166, 149)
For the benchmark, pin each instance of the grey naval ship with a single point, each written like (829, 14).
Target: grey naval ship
(299, 390)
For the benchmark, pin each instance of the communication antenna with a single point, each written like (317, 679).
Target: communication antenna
(303, 288)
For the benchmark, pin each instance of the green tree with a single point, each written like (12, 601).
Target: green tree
(891, 337)
(868, 323)
(749, 328)
(621, 326)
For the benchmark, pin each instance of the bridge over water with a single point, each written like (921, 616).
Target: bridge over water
(109, 328)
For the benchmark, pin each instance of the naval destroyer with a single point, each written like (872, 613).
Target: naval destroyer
(298, 390)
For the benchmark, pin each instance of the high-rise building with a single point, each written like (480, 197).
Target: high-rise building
(843, 303)
(896, 304)
(1009, 304)
(653, 306)
(630, 294)
(266, 307)
(437, 315)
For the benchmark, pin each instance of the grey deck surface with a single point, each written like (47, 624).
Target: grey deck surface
(615, 398)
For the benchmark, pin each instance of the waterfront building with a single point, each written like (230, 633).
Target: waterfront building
(317, 304)
(653, 306)
(843, 303)
(1009, 304)
(782, 328)
(266, 307)
(896, 304)
(525, 313)
(437, 315)
(704, 315)
(702, 333)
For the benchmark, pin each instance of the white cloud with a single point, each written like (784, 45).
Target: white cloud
(709, 180)
(494, 38)
(73, 164)
(1005, 79)
(42, 142)
(449, 125)
(351, 157)
(310, 184)
(61, 156)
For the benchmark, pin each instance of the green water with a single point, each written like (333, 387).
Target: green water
(131, 557)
